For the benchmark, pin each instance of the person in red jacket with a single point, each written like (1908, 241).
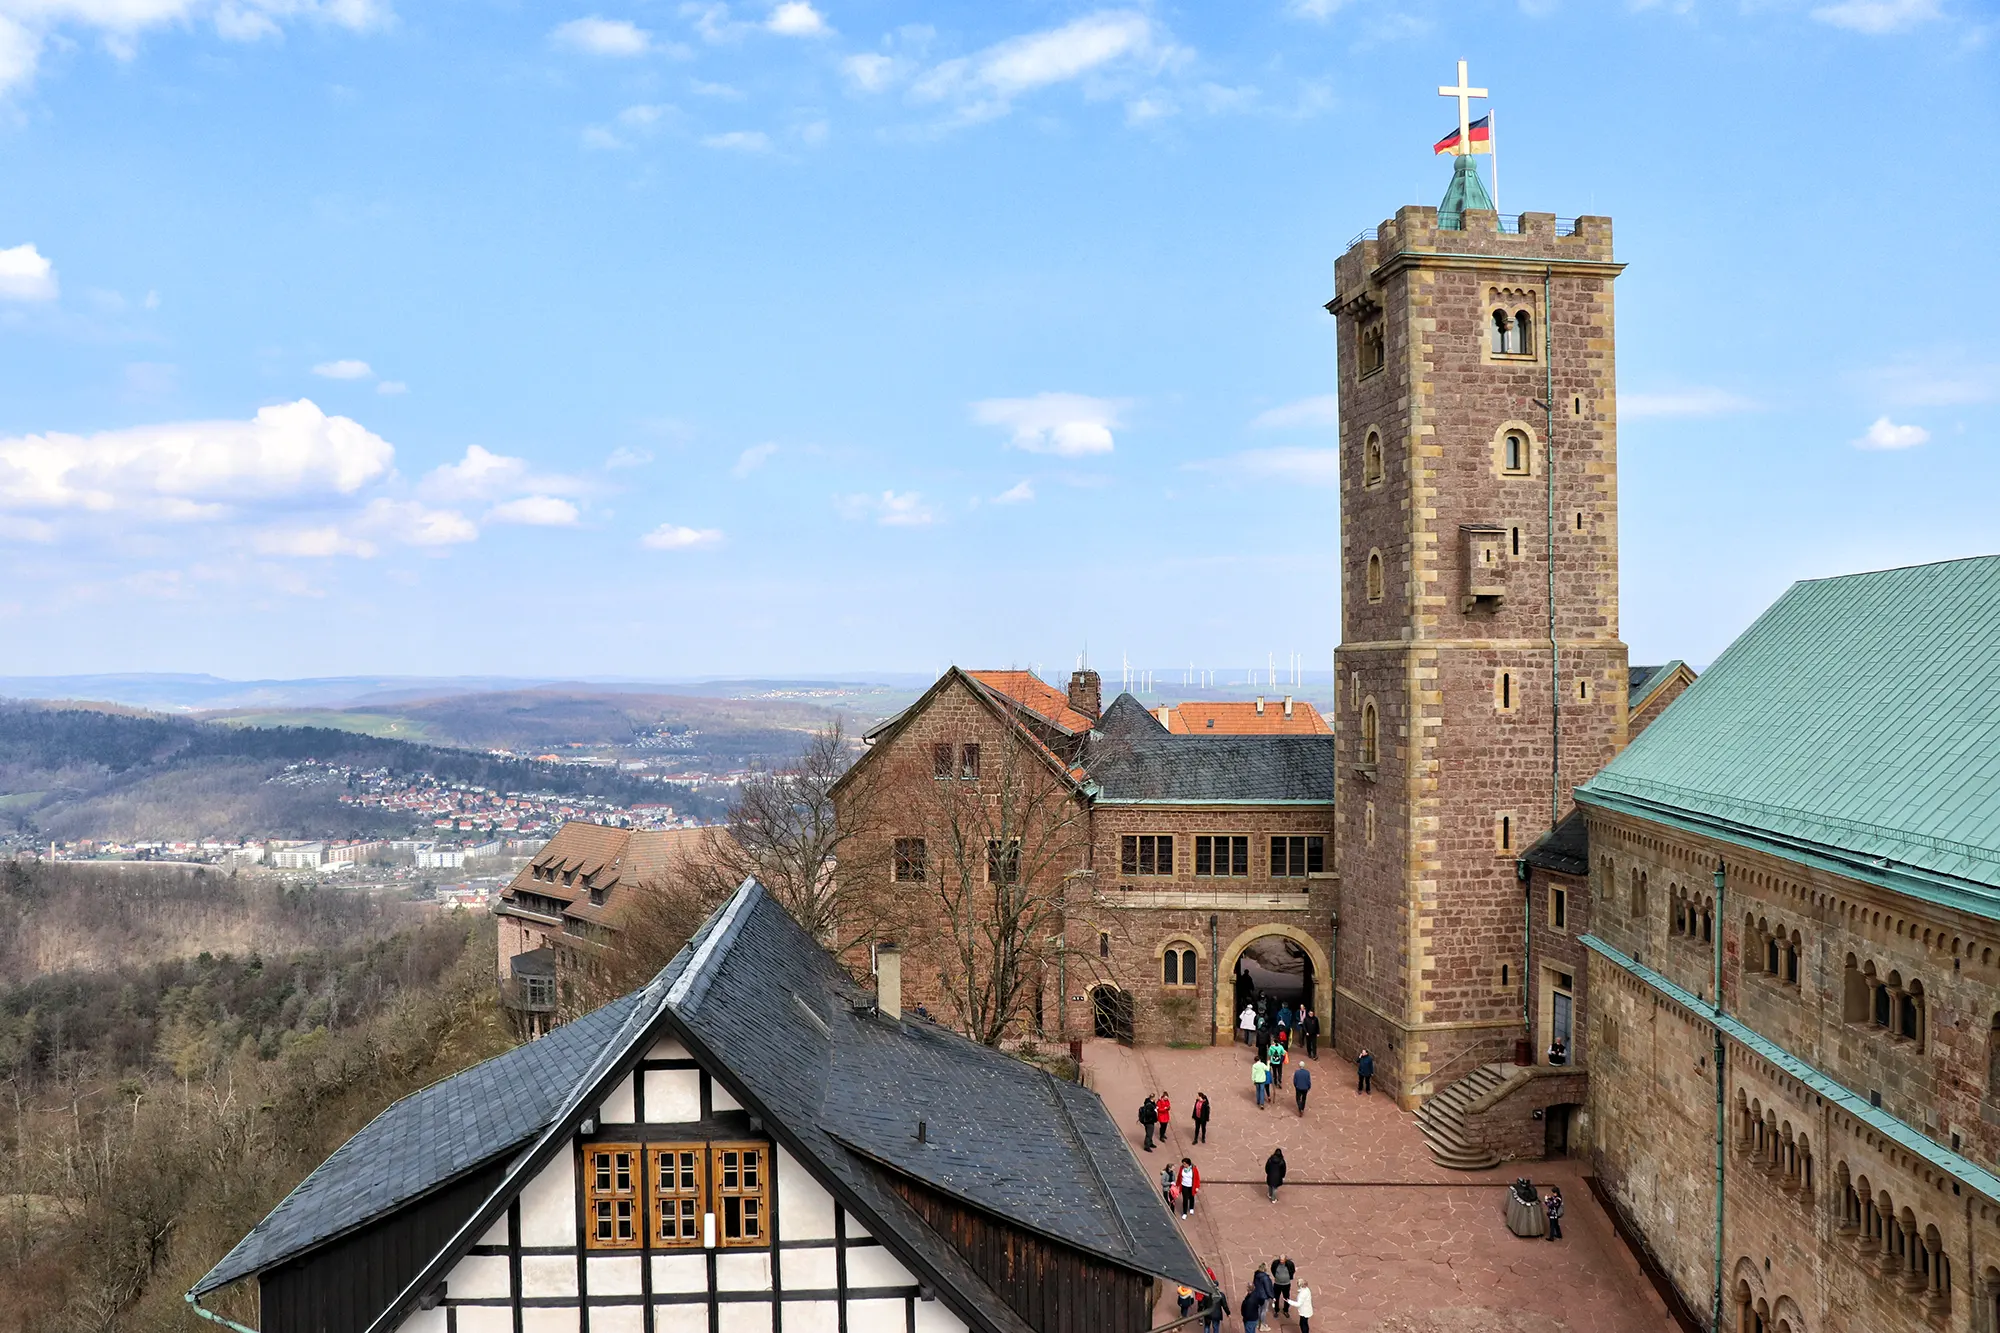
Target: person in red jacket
(1190, 1181)
(1161, 1102)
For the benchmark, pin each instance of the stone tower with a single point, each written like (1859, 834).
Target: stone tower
(1480, 672)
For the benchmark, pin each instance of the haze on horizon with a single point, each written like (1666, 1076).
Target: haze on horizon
(663, 342)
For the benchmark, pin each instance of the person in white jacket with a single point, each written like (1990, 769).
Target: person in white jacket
(1302, 1304)
(1246, 1022)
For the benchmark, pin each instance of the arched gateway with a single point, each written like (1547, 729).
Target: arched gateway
(1281, 960)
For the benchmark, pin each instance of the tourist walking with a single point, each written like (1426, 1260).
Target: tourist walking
(1200, 1117)
(1149, 1116)
(1274, 1172)
(1190, 1181)
(1252, 1309)
(1213, 1304)
(1554, 1207)
(1285, 1014)
(1309, 1029)
(1162, 1107)
(1275, 1057)
(1260, 1078)
(1364, 1071)
(1303, 1307)
(1302, 1083)
(1184, 1298)
(1281, 1284)
(1246, 1023)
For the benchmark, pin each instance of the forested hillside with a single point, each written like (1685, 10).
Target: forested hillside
(87, 773)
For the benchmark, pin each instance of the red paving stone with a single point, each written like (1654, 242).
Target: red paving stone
(1390, 1241)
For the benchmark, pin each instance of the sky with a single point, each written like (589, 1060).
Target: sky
(662, 339)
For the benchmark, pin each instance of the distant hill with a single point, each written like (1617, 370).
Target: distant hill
(90, 773)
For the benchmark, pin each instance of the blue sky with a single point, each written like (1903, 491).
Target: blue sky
(662, 339)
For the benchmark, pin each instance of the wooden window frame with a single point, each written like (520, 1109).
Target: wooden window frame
(632, 1195)
(1135, 850)
(664, 1202)
(968, 762)
(721, 1194)
(1003, 860)
(1232, 843)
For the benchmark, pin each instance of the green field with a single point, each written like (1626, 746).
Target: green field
(382, 726)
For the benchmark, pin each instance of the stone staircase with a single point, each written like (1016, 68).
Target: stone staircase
(1442, 1120)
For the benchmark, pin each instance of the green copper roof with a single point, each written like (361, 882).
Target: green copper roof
(1855, 726)
(1466, 190)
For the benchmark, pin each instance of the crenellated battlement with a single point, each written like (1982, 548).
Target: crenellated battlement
(1415, 231)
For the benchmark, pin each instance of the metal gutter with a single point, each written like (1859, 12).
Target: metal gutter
(213, 1317)
(1137, 800)
(1955, 1165)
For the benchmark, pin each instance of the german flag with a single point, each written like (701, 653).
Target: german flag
(1481, 134)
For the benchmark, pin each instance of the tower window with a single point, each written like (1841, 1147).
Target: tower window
(1583, 690)
(1374, 576)
(1523, 331)
(1576, 406)
(1371, 461)
(1372, 348)
(1514, 454)
(1503, 691)
(1503, 830)
(1513, 333)
(1103, 944)
(1369, 727)
(1514, 540)
(1579, 520)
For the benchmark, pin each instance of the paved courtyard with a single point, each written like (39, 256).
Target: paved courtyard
(1389, 1241)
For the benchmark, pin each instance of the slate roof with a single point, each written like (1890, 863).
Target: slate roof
(1132, 758)
(1641, 681)
(425, 1140)
(1565, 848)
(842, 1087)
(1855, 725)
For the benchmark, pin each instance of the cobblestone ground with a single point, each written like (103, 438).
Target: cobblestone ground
(1390, 1241)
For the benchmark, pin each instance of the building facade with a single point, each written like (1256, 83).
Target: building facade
(1480, 673)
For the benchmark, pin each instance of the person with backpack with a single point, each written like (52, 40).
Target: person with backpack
(1364, 1071)
(1275, 1057)
(1214, 1306)
(1281, 1284)
(1149, 1116)
(1260, 1079)
(1274, 1172)
(1170, 1187)
(1302, 1082)
(1200, 1117)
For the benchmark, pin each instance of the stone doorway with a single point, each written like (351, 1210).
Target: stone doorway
(1277, 967)
(1558, 1126)
(1111, 1014)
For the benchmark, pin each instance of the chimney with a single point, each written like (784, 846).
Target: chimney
(889, 981)
(1260, 705)
(1163, 713)
(1288, 708)
(1086, 693)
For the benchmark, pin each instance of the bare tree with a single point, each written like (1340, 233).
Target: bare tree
(999, 849)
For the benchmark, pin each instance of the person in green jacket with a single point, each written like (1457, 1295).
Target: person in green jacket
(1260, 1078)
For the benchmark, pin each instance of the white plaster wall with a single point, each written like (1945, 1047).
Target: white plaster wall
(497, 1233)
(884, 1316)
(548, 1275)
(744, 1317)
(548, 1204)
(805, 1209)
(810, 1270)
(614, 1275)
(485, 1319)
(673, 1096)
(932, 1317)
(874, 1266)
(668, 1048)
(719, 1098)
(551, 1319)
(424, 1321)
(689, 1319)
(619, 1108)
(617, 1318)
(478, 1276)
(680, 1272)
(743, 1272)
(812, 1317)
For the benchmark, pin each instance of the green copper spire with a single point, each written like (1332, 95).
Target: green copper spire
(1466, 191)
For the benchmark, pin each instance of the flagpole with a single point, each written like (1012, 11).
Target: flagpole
(1493, 149)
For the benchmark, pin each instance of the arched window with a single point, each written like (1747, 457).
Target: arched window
(1179, 965)
(1372, 349)
(1524, 338)
(1993, 1058)
(1503, 334)
(1374, 576)
(1911, 1018)
(1791, 973)
(1368, 733)
(1707, 920)
(1371, 461)
(1514, 453)
(1854, 1001)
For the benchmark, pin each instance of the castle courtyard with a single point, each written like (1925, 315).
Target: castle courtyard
(1389, 1241)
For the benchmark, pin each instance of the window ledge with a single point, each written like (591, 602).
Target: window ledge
(1365, 772)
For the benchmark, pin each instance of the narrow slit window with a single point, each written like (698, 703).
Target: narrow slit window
(1514, 536)
(1506, 833)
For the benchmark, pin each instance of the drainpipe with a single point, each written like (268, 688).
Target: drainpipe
(1527, 955)
(1721, 1102)
(211, 1315)
(1215, 985)
(1332, 978)
(1549, 467)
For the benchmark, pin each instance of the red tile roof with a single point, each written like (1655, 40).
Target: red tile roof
(1247, 719)
(1037, 696)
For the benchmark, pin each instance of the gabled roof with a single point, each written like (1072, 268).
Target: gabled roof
(608, 857)
(1263, 717)
(1565, 848)
(1855, 725)
(1132, 759)
(774, 1016)
(1005, 708)
(1646, 681)
(1027, 690)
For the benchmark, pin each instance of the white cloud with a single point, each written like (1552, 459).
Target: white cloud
(721, 90)
(603, 37)
(316, 542)
(1323, 410)
(1878, 17)
(626, 457)
(194, 469)
(643, 115)
(1319, 10)
(751, 459)
(343, 370)
(392, 387)
(797, 18)
(415, 524)
(869, 72)
(25, 273)
(1303, 467)
(1941, 378)
(536, 511)
(1019, 493)
(740, 141)
(1684, 403)
(674, 537)
(890, 509)
(1886, 434)
(27, 26)
(1070, 424)
(986, 84)
(15, 528)
(485, 475)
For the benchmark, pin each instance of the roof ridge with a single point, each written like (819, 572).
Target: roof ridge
(1895, 569)
(1075, 1137)
(693, 979)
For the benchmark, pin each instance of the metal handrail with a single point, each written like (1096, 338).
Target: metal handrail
(1430, 1086)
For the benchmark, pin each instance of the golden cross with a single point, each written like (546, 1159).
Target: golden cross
(1464, 96)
